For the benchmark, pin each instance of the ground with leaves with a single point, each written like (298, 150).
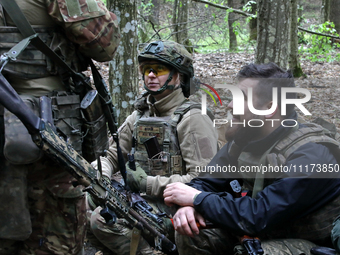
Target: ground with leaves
(322, 79)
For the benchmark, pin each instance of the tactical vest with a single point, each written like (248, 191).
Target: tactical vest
(317, 225)
(169, 160)
(32, 63)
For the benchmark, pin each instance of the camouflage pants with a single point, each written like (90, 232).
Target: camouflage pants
(117, 237)
(217, 241)
(56, 210)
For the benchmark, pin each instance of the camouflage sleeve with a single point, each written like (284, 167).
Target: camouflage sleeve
(89, 24)
(198, 142)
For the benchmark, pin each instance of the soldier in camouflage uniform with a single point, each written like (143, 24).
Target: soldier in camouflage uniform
(186, 138)
(44, 213)
(288, 211)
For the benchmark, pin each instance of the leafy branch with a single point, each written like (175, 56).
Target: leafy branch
(225, 8)
(317, 33)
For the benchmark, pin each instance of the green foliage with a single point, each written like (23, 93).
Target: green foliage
(146, 6)
(318, 47)
(236, 27)
(248, 6)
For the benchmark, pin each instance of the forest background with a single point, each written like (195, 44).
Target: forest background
(223, 36)
(301, 35)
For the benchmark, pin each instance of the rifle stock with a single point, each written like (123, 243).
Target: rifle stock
(100, 189)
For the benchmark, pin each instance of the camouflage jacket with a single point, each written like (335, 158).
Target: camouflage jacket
(68, 27)
(196, 136)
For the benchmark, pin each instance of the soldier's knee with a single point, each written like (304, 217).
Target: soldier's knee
(287, 246)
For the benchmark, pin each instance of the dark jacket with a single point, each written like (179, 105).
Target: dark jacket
(279, 203)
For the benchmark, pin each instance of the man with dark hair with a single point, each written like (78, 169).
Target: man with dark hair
(286, 209)
(271, 76)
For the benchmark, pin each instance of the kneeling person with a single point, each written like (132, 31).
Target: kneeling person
(287, 210)
(186, 138)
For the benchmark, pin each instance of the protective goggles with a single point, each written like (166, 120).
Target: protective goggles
(157, 69)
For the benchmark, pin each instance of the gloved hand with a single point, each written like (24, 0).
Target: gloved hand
(136, 179)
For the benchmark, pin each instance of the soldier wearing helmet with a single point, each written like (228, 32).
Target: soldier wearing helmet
(173, 56)
(186, 138)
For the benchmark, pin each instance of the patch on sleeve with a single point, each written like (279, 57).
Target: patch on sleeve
(205, 147)
(73, 11)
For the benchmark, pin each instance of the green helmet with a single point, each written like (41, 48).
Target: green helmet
(173, 54)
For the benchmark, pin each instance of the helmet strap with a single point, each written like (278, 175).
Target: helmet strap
(164, 87)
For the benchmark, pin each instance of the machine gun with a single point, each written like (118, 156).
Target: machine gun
(139, 203)
(114, 201)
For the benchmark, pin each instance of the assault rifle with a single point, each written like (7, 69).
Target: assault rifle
(252, 245)
(111, 199)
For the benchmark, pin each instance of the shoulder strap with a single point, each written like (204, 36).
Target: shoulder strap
(27, 30)
(278, 154)
(309, 133)
(186, 106)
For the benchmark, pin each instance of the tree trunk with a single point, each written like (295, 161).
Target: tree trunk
(294, 63)
(180, 21)
(253, 24)
(326, 9)
(174, 20)
(300, 18)
(154, 17)
(123, 74)
(232, 35)
(334, 14)
(273, 31)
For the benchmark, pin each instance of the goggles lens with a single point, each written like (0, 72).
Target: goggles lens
(157, 69)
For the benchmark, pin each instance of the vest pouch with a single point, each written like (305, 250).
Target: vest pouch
(15, 220)
(19, 148)
(176, 164)
(159, 165)
(167, 161)
(96, 139)
(67, 117)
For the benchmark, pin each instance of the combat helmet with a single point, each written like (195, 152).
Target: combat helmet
(174, 55)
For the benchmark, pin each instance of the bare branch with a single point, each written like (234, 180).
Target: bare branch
(201, 21)
(225, 8)
(153, 26)
(250, 15)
